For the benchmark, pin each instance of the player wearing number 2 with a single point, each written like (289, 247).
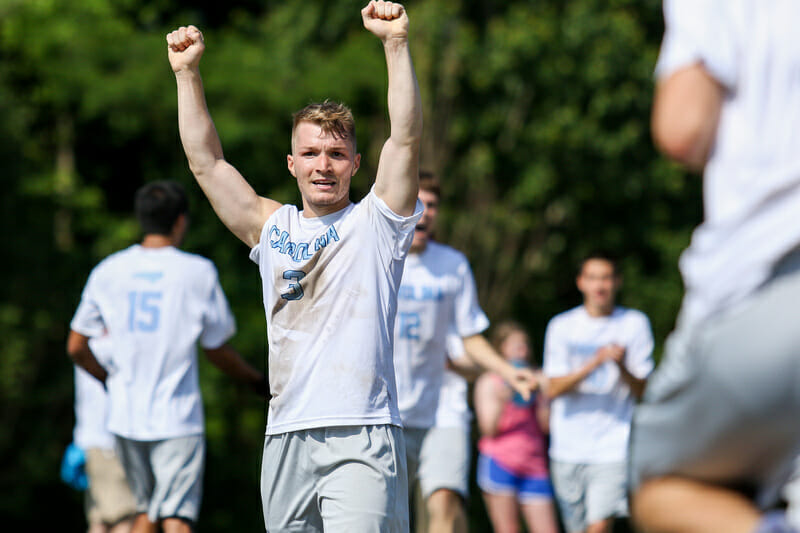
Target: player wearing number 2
(334, 451)
(437, 296)
(156, 302)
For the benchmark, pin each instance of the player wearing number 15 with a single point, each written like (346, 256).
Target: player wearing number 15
(334, 452)
(156, 303)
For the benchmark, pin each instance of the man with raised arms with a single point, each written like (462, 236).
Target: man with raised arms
(334, 451)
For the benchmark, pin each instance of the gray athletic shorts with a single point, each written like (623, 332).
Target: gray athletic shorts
(589, 493)
(166, 476)
(438, 458)
(350, 478)
(724, 405)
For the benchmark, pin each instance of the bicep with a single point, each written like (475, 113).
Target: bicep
(236, 203)
(686, 110)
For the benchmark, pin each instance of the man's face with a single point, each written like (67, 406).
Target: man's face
(599, 284)
(323, 165)
(427, 222)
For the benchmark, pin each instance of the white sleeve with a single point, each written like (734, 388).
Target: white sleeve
(639, 354)
(218, 322)
(87, 319)
(469, 317)
(394, 232)
(555, 357)
(699, 31)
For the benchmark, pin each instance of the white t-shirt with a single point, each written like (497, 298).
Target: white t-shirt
(437, 297)
(453, 409)
(591, 423)
(752, 179)
(91, 402)
(330, 295)
(155, 304)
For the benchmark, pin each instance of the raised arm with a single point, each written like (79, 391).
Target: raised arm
(233, 199)
(397, 181)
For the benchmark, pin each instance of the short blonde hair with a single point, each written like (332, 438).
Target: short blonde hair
(504, 330)
(334, 118)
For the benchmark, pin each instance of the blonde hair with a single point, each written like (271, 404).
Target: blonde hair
(334, 118)
(504, 330)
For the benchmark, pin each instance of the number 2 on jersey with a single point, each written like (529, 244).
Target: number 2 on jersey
(296, 291)
(144, 312)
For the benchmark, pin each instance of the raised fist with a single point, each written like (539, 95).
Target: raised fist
(185, 46)
(387, 20)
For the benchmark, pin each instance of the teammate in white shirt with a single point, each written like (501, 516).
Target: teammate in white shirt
(597, 357)
(156, 303)
(437, 297)
(718, 429)
(334, 455)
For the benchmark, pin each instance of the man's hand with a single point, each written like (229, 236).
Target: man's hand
(185, 46)
(524, 381)
(612, 352)
(387, 20)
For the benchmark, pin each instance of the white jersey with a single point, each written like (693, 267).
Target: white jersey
(330, 295)
(453, 408)
(591, 423)
(437, 297)
(752, 178)
(155, 304)
(91, 402)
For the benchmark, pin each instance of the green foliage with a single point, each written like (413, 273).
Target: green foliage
(536, 120)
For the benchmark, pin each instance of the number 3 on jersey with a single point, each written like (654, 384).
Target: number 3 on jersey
(144, 311)
(296, 291)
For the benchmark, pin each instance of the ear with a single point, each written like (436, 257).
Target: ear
(290, 165)
(356, 164)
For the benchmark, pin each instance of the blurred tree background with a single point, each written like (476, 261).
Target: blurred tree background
(536, 121)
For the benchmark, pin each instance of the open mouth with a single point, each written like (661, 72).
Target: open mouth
(324, 184)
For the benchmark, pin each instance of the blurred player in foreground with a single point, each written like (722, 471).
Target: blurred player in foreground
(717, 433)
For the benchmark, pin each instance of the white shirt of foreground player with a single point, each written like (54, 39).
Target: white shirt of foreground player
(330, 296)
(752, 178)
(591, 423)
(155, 304)
(437, 297)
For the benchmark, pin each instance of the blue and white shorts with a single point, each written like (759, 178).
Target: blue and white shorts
(493, 478)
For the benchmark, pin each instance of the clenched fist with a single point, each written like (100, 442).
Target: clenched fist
(387, 20)
(185, 46)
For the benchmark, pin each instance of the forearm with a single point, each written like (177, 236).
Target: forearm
(482, 354)
(636, 385)
(80, 353)
(404, 102)
(198, 134)
(464, 367)
(556, 386)
(231, 363)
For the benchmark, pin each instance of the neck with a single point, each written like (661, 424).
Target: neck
(152, 240)
(598, 311)
(311, 211)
